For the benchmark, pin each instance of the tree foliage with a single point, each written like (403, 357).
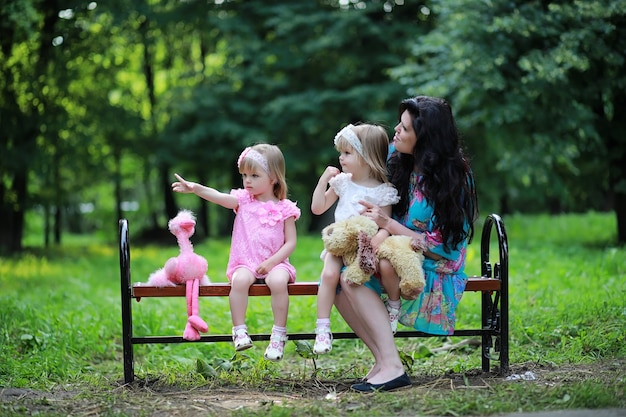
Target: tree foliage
(538, 88)
(101, 102)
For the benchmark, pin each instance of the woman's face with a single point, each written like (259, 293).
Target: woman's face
(404, 139)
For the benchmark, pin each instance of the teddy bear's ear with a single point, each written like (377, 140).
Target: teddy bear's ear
(365, 254)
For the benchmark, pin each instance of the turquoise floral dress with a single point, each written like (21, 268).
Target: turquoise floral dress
(434, 310)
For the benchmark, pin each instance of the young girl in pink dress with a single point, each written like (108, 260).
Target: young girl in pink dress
(264, 235)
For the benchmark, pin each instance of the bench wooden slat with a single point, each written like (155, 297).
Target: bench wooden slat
(222, 289)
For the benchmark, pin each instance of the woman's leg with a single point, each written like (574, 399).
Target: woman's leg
(365, 313)
(355, 322)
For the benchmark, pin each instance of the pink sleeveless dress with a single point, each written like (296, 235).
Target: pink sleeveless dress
(258, 233)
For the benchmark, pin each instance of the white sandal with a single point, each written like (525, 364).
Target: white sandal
(394, 315)
(323, 341)
(276, 348)
(241, 339)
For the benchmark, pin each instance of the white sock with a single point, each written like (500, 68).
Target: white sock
(323, 324)
(280, 331)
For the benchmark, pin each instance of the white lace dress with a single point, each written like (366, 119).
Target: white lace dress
(350, 193)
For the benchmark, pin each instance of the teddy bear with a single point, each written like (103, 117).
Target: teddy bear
(351, 239)
(187, 268)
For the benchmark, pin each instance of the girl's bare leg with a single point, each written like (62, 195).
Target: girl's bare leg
(238, 297)
(389, 280)
(328, 286)
(391, 283)
(277, 281)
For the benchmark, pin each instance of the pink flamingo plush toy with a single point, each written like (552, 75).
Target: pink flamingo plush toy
(187, 268)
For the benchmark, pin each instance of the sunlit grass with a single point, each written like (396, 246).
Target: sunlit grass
(60, 313)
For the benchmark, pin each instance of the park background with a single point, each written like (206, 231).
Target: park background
(101, 102)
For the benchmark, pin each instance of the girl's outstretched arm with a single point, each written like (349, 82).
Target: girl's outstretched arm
(210, 194)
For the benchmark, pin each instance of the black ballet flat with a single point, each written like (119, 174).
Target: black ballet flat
(403, 381)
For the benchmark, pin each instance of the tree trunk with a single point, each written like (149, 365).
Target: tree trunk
(21, 191)
(117, 183)
(620, 214)
(616, 143)
(204, 218)
(24, 128)
(46, 226)
(170, 205)
(58, 224)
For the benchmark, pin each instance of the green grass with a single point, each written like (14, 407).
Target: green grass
(60, 326)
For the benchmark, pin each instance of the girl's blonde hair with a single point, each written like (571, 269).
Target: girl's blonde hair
(375, 146)
(275, 164)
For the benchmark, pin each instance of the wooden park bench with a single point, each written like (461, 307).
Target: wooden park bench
(492, 283)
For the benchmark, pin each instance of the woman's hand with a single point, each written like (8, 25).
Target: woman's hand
(376, 213)
(182, 186)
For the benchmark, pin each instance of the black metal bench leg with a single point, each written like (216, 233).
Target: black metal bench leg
(127, 320)
(504, 323)
(485, 345)
(496, 322)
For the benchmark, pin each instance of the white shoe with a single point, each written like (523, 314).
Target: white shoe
(241, 339)
(323, 341)
(276, 348)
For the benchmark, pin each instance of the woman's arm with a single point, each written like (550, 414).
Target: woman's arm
(393, 227)
(382, 234)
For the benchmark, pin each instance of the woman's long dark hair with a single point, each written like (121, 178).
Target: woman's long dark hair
(447, 181)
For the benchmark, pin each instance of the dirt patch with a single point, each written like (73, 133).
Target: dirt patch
(153, 398)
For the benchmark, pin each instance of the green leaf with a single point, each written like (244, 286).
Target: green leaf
(407, 360)
(304, 349)
(206, 370)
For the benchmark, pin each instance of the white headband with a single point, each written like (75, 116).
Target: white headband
(255, 156)
(351, 137)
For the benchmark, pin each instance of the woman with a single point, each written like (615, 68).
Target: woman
(438, 204)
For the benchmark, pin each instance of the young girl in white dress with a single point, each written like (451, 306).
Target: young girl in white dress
(362, 155)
